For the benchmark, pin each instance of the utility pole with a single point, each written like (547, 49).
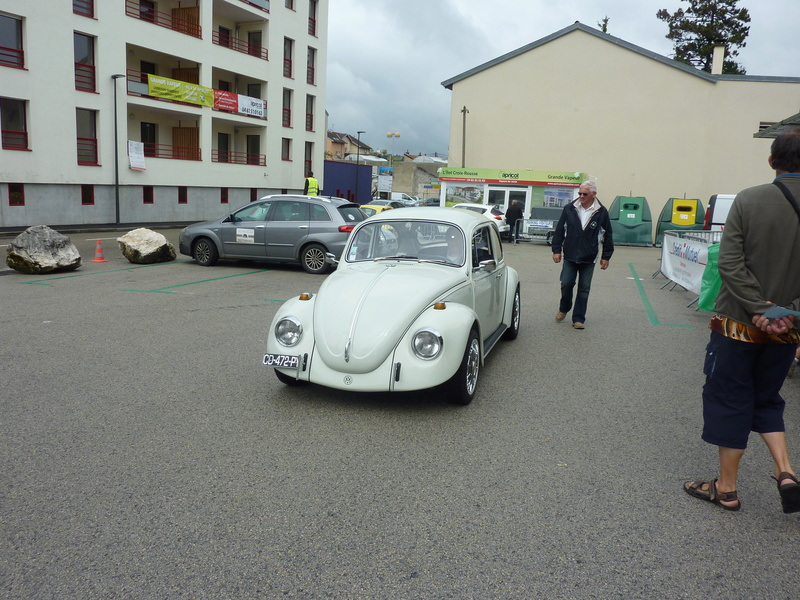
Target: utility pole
(464, 112)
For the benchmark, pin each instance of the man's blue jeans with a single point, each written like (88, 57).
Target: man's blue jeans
(570, 272)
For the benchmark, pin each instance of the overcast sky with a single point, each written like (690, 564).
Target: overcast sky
(387, 59)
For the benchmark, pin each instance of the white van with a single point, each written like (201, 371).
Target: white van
(404, 198)
(717, 211)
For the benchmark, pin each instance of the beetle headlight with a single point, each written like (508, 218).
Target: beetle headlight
(427, 344)
(288, 331)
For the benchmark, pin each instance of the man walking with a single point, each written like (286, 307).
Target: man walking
(584, 225)
(513, 218)
(749, 353)
(312, 186)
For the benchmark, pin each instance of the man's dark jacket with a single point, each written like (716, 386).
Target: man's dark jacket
(513, 214)
(583, 245)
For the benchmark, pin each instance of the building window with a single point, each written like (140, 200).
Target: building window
(84, 63)
(286, 149)
(13, 126)
(290, 4)
(253, 149)
(254, 44)
(149, 134)
(11, 54)
(87, 136)
(308, 164)
(253, 194)
(312, 17)
(183, 194)
(147, 194)
(147, 11)
(223, 147)
(225, 86)
(83, 7)
(16, 194)
(223, 195)
(87, 195)
(287, 108)
(254, 90)
(224, 36)
(311, 68)
(288, 52)
(309, 113)
(146, 68)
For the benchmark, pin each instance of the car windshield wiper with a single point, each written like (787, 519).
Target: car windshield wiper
(396, 257)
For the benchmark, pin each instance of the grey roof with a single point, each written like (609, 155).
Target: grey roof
(577, 26)
(778, 128)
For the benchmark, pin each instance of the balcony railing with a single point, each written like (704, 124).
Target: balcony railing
(309, 122)
(238, 158)
(83, 7)
(162, 19)
(87, 151)
(14, 140)
(239, 45)
(287, 117)
(261, 4)
(172, 152)
(11, 57)
(85, 78)
(311, 73)
(312, 27)
(287, 67)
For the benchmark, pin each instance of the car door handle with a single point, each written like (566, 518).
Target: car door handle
(260, 226)
(302, 226)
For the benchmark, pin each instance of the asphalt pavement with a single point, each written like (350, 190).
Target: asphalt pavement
(146, 453)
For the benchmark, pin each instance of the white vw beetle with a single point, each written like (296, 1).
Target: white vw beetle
(419, 298)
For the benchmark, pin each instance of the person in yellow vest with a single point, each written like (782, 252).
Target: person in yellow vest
(312, 185)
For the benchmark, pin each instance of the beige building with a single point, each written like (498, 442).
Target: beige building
(639, 123)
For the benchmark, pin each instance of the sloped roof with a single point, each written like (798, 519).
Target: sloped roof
(778, 128)
(578, 26)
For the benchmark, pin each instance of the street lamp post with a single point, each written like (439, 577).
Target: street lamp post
(464, 112)
(358, 158)
(116, 149)
(392, 136)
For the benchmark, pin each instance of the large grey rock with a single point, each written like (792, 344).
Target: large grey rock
(40, 249)
(144, 246)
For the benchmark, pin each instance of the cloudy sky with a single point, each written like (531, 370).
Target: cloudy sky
(387, 59)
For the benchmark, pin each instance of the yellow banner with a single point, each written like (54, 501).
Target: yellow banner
(172, 89)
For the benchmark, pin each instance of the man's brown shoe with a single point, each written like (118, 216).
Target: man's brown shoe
(560, 316)
(578, 325)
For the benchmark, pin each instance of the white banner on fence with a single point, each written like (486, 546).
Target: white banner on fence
(684, 257)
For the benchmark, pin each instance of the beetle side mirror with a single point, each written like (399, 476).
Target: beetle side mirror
(487, 265)
(330, 258)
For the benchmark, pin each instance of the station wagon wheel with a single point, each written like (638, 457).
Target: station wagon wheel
(513, 330)
(461, 388)
(313, 259)
(288, 379)
(204, 251)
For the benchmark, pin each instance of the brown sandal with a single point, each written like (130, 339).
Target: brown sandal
(790, 492)
(694, 488)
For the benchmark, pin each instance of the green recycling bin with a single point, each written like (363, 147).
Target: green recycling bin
(631, 222)
(679, 214)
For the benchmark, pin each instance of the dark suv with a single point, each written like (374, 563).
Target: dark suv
(281, 228)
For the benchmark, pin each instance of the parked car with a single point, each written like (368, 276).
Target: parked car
(452, 296)
(281, 228)
(404, 198)
(489, 211)
(392, 203)
(372, 209)
(428, 202)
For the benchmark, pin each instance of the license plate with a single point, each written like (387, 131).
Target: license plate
(284, 361)
(538, 223)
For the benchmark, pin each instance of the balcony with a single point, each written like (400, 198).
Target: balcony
(260, 4)
(287, 67)
(87, 151)
(12, 57)
(85, 78)
(309, 122)
(172, 152)
(14, 140)
(286, 120)
(183, 20)
(312, 27)
(238, 158)
(239, 45)
(311, 74)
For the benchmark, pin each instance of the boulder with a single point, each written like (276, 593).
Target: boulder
(40, 249)
(144, 246)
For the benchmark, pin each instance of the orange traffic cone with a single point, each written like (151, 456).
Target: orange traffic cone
(98, 253)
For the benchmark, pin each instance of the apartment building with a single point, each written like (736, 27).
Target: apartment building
(153, 111)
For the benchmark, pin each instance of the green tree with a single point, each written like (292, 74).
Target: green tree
(703, 25)
(603, 25)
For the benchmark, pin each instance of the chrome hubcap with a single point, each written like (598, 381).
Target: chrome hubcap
(473, 366)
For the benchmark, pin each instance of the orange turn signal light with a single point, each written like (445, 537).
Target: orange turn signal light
(305, 296)
(439, 306)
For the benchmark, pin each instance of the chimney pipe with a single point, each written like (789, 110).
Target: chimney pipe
(717, 59)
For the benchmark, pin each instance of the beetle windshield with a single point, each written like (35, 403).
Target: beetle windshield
(408, 240)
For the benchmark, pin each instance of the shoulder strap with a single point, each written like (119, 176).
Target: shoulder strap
(782, 187)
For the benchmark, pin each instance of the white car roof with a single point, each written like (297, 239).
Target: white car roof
(463, 218)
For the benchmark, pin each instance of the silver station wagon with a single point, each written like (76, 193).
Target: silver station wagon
(280, 228)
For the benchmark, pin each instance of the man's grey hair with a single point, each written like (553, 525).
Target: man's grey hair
(591, 185)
